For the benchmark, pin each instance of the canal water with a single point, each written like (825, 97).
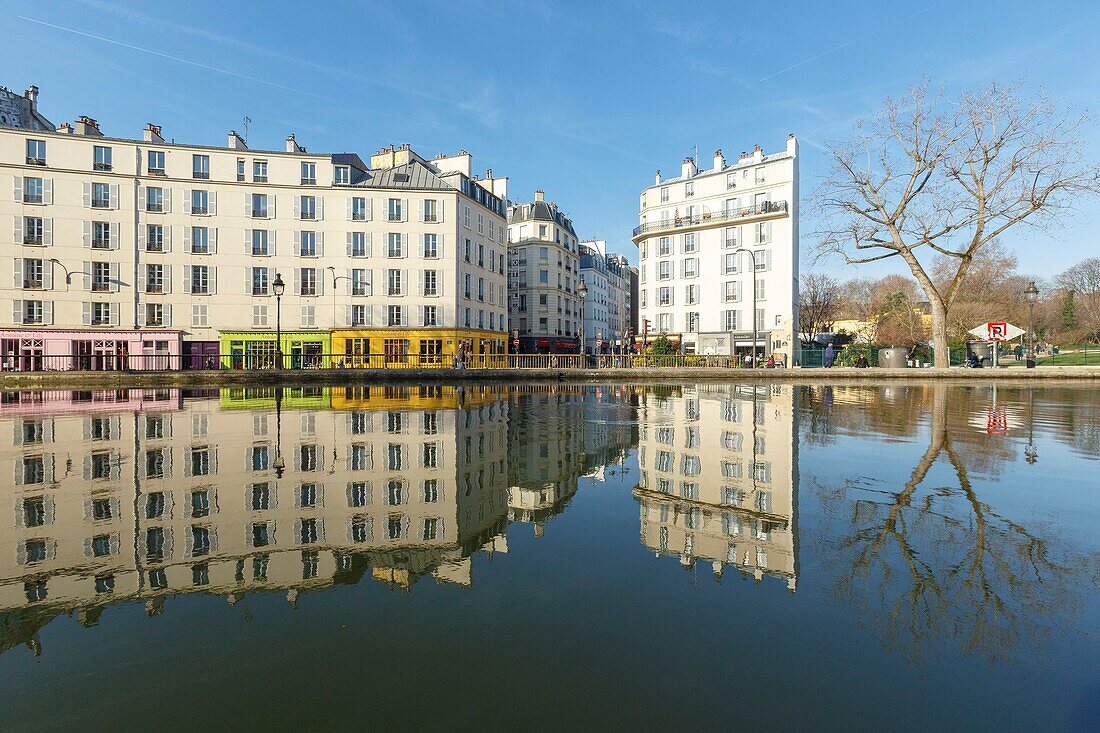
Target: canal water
(689, 556)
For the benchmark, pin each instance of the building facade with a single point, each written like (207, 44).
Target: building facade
(718, 249)
(136, 253)
(543, 273)
(607, 307)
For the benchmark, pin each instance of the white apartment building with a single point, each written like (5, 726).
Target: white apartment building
(135, 251)
(698, 238)
(543, 273)
(607, 307)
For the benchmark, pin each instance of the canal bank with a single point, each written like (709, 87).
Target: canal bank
(199, 379)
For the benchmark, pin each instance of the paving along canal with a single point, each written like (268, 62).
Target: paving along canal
(501, 557)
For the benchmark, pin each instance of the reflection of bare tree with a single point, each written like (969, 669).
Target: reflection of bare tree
(931, 566)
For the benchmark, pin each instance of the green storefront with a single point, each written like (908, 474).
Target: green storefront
(266, 398)
(256, 350)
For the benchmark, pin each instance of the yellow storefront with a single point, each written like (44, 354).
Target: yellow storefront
(381, 348)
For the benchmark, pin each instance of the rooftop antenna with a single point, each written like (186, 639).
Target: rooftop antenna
(248, 121)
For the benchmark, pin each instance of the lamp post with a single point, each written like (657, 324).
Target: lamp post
(752, 256)
(1032, 295)
(278, 287)
(279, 464)
(582, 293)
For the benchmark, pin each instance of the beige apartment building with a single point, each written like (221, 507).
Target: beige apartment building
(719, 478)
(545, 310)
(136, 494)
(142, 252)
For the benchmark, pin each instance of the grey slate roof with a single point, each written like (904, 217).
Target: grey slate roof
(412, 175)
(539, 211)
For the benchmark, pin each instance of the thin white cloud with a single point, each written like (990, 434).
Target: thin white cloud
(227, 72)
(852, 40)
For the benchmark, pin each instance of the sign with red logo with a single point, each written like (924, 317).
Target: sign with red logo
(997, 331)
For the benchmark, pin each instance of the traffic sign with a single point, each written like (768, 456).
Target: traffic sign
(515, 342)
(599, 343)
(997, 331)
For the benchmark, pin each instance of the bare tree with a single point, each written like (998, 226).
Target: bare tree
(927, 177)
(818, 304)
(1083, 280)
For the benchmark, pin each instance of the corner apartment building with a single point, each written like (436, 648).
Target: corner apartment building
(607, 327)
(544, 309)
(699, 236)
(123, 248)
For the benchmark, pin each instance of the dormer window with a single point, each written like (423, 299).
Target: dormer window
(341, 176)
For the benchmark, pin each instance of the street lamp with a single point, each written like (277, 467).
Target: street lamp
(278, 287)
(1031, 294)
(582, 293)
(279, 464)
(752, 255)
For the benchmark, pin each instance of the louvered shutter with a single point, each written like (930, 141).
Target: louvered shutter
(47, 313)
(351, 207)
(142, 232)
(47, 190)
(87, 200)
(248, 241)
(187, 278)
(113, 193)
(320, 208)
(142, 197)
(167, 232)
(320, 244)
(88, 234)
(213, 279)
(17, 236)
(17, 274)
(87, 313)
(114, 274)
(166, 309)
(370, 208)
(213, 199)
(17, 191)
(213, 241)
(404, 209)
(297, 210)
(17, 311)
(113, 230)
(142, 278)
(115, 314)
(187, 201)
(188, 240)
(168, 201)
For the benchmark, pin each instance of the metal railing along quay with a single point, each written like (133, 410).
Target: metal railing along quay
(300, 362)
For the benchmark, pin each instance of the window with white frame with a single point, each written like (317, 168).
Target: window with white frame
(307, 208)
(664, 246)
(309, 173)
(691, 267)
(393, 282)
(394, 210)
(358, 208)
(732, 318)
(732, 291)
(664, 194)
(431, 211)
(731, 263)
(307, 244)
(200, 279)
(691, 243)
(431, 282)
(431, 315)
(664, 270)
(431, 246)
(395, 245)
(154, 238)
(664, 296)
(341, 175)
(308, 281)
(200, 240)
(261, 242)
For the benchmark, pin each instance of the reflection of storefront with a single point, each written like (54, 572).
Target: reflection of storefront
(249, 350)
(109, 350)
(537, 345)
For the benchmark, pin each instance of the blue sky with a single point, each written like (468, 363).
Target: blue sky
(585, 100)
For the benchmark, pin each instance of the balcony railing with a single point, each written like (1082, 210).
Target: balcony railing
(714, 217)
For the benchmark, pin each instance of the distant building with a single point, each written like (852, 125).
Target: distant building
(697, 237)
(608, 304)
(543, 271)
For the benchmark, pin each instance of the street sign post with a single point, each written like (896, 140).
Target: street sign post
(996, 331)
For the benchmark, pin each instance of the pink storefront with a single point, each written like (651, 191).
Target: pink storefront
(44, 349)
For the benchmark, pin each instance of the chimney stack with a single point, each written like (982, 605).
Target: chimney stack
(292, 145)
(151, 133)
(757, 154)
(85, 125)
(688, 168)
(236, 142)
(719, 160)
(65, 128)
(539, 195)
(792, 145)
(657, 178)
(31, 94)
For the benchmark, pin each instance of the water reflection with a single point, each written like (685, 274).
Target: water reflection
(718, 476)
(933, 563)
(143, 495)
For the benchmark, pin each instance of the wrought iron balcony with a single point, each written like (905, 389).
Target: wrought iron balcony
(713, 217)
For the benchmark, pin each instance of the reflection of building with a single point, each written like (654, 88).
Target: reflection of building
(283, 493)
(607, 306)
(718, 479)
(545, 452)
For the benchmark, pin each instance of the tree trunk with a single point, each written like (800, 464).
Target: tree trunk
(942, 352)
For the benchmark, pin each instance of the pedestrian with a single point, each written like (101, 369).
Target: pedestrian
(830, 356)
